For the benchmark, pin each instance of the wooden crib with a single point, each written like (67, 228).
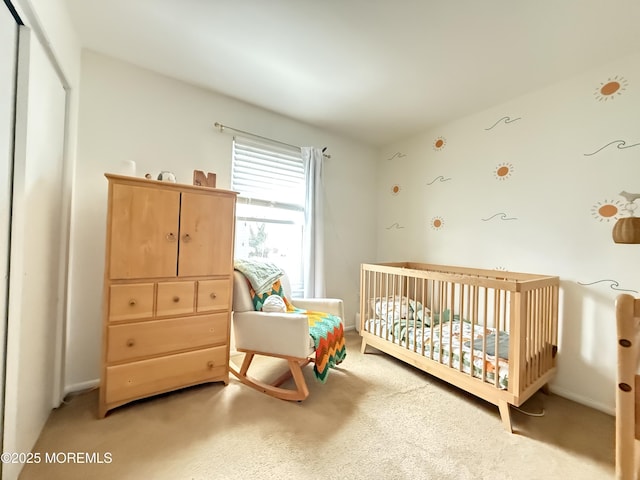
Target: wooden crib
(489, 332)
(627, 396)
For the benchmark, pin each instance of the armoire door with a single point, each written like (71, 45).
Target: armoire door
(206, 234)
(144, 232)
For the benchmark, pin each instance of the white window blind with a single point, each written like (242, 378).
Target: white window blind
(268, 173)
(270, 180)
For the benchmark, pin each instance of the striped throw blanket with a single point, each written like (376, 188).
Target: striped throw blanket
(327, 333)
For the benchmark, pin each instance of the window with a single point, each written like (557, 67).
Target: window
(270, 179)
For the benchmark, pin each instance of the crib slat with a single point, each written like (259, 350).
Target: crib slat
(540, 330)
(544, 298)
(423, 301)
(533, 328)
(473, 318)
(530, 346)
(441, 307)
(544, 330)
(484, 337)
(540, 341)
(451, 310)
(461, 309)
(389, 294)
(516, 347)
(371, 303)
(496, 345)
(435, 294)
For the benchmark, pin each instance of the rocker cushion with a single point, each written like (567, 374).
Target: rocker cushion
(281, 334)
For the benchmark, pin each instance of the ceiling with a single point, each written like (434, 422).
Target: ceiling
(372, 70)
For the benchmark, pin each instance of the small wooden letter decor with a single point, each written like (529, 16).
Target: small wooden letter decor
(200, 179)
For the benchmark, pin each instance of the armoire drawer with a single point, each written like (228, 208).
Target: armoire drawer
(157, 337)
(213, 295)
(130, 301)
(157, 375)
(175, 298)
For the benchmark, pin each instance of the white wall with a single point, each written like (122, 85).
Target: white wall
(128, 113)
(50, 20)
(544, 216)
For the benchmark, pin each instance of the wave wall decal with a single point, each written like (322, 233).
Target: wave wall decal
(396, 155)
(394, 226)
(503, 216)
(441, 178)
(505, 120)
(612, 284)
(621, 145)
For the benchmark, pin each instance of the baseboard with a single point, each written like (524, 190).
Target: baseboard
(582, 400)
(81, 387)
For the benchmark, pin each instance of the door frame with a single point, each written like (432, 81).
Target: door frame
(5, 243)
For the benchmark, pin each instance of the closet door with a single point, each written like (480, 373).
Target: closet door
(37, 226)
(8, 55)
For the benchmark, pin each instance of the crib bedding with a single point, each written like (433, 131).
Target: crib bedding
(436, 340)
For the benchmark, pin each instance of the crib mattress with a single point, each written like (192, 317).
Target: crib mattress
(438, 341)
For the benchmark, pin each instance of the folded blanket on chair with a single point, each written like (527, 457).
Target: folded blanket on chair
(261, 275)
(327, 333)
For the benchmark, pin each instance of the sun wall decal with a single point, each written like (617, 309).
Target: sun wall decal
(395, 189)
(503, 171)
(607, 210)
(439, 143)
(610, 89)
(437, 223)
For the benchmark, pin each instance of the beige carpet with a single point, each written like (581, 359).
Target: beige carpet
(375, 418)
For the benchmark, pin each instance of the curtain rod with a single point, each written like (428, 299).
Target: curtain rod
(221, 127)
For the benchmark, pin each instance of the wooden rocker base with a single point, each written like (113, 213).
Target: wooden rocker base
(273, 389)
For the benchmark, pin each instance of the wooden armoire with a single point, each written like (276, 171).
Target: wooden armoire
(167, 288)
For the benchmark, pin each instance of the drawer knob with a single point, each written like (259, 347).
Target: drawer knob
(132, 302)
(131, 342)
(171, 237)
(213, 295)
(186, 237)
(176, 299)
(210, 364)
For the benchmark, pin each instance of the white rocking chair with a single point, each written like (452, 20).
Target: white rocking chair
(275, 334)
